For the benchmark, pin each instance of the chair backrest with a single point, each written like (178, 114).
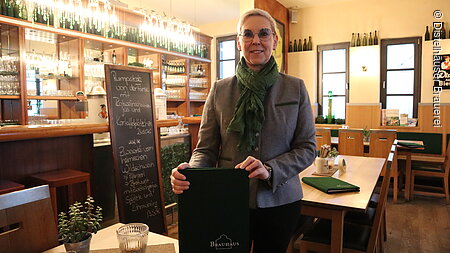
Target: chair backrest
(26, 221)
(381, 142)
(376, 226)
(447, 160)
(351, 142)
(323, 136)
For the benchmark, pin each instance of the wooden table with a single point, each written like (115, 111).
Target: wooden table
(107, 239)
(361, 171)
(402, 150)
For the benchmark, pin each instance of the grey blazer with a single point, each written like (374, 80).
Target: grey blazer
(286, 142)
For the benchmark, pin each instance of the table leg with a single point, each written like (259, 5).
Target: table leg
(337, 231)
(337, 223)
(408, 175)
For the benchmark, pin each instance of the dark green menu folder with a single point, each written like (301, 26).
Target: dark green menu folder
(410, 144)
(330, 184)
(213, 215)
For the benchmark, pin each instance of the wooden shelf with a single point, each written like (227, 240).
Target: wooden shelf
(72, 33)
(51, 98)
(176, 73)
(176, 100)
(9, 97)
(55, 77)
(198, 100)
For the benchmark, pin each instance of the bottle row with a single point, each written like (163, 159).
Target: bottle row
(357, 41)
(44, 13)
(438, 32)
(307, 46)
(173, 66)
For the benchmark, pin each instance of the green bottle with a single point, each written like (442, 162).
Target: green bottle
(3, 7)
(24, 11)
(330, 107)
(309, 44)
(10, 8)
(16, 10)
(295, 46)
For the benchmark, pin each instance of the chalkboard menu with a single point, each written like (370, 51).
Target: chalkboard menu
(135, 146)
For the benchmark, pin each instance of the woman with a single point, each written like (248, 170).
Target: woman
(259, 120)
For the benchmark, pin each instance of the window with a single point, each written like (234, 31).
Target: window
(227, 56)
(333, 78)
(400, 74)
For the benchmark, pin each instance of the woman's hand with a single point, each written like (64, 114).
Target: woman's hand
(178, 180)
(255, 167)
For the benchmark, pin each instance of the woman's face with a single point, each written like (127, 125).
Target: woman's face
(257, 50)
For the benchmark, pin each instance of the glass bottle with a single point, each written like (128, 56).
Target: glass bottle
(427, 34)
(10, 8)
(3, 7)
(375, 39)
(364, 40)
(290, 46)
(330, 107)
(443, 32)
(16, 9)
(114, 57)
(309, 44)
(353, 41)
(24, 11)
(370, 39)
(305, 46)
(358, 41)
(295, 46)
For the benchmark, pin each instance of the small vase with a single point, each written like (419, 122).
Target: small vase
(79, 247)
(366, 138)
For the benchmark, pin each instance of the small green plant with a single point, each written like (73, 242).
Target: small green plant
(320, 120)
(366, 133)
(333, 153)
(80, 222)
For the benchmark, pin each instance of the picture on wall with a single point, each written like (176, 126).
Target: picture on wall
(278, 53)
(443, 76)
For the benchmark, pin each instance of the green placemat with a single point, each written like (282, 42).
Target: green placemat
(330, 184)
(410, 144)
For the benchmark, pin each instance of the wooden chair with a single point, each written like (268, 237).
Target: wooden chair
(61, 178)
(381, 141)
(26, 221)
(351, 142)
(7, 186)
(437, 171)
(357, 237)
(323, 136)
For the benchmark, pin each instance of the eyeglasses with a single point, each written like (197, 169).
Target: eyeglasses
(263, 34)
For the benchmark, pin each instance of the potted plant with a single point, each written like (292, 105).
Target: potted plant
(366, 133)
(76, 227)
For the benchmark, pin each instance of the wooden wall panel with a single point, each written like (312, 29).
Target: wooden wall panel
(363, 115)
(280, 13)
(20, 159)
(426, 118)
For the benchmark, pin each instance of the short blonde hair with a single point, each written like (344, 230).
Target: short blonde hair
(256, 12)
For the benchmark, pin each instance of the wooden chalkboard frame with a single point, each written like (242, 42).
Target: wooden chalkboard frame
(123, 217)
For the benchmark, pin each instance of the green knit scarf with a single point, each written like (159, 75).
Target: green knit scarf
(249, 112)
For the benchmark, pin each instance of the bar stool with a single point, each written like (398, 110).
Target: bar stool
(7, 186)
(60, 178)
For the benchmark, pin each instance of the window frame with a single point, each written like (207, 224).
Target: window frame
(326, 47)
(417, 41)
(236, 54)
